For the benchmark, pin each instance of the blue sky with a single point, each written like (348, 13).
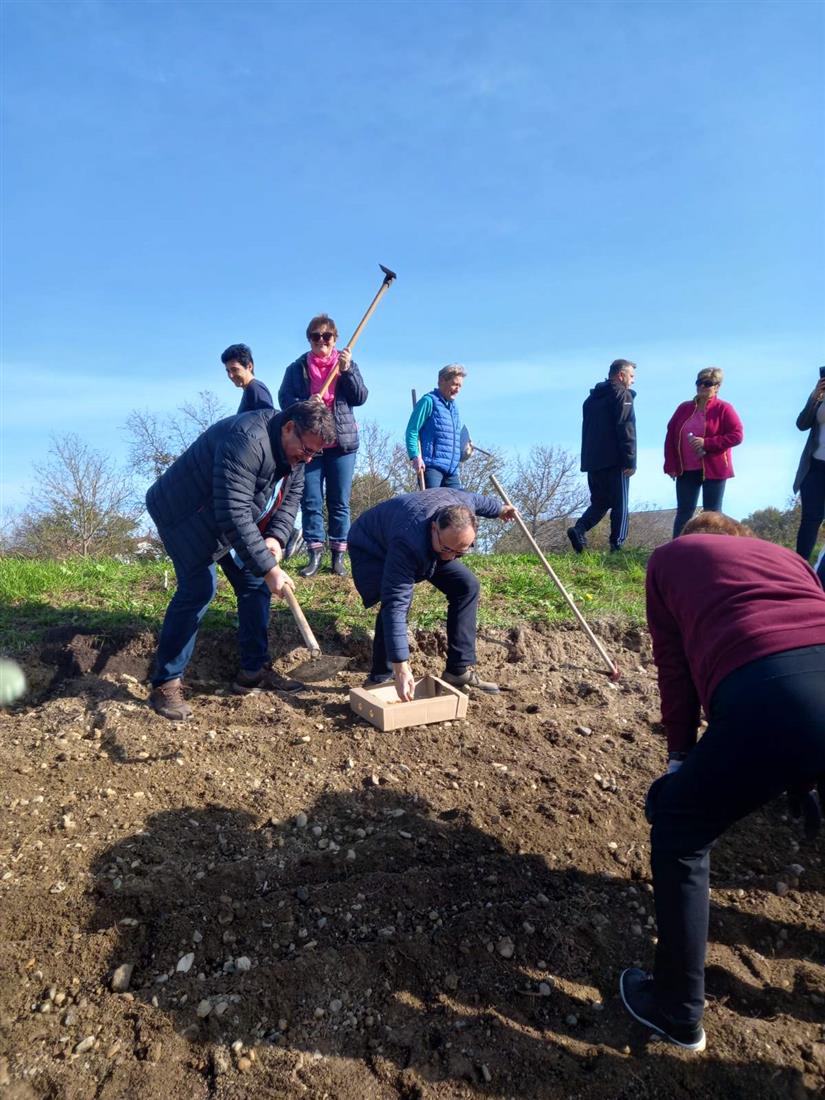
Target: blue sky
(557, 185)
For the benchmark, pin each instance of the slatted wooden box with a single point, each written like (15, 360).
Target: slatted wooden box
(435, 701)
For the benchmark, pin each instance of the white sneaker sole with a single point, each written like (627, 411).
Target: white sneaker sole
(698, 1046)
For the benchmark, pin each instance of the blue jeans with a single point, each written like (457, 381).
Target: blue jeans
(330, 472)
(812, 498)
(437, 479)
(688, 486)
(461, 588)
(765, 734)
(195, 591)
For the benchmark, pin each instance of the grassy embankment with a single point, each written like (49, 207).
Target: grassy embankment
(108, 596)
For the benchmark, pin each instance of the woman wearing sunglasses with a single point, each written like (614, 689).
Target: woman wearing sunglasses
(329, 474)
(699, 438)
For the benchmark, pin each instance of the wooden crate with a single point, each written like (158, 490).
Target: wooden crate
(434, 701)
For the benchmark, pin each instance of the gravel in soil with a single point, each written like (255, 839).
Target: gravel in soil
(276, 900)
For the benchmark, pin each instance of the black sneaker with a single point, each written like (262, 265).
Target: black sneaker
(577, 540)
(636, 989)
(375, 679)
(253, 683)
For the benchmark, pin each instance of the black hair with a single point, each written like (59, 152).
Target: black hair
(239, 353)
(312, 416)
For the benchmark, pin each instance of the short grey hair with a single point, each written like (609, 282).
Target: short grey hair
(458, 516)
(452, 370)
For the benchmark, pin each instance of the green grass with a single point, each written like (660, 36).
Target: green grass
(105, 595)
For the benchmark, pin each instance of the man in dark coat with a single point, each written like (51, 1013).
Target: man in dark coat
(218, 503)
(608, 454)
(417, 537)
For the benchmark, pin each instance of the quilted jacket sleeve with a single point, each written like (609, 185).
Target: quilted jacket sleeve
(238, 459)
(351, 386)
(294, 387)
(283, 518)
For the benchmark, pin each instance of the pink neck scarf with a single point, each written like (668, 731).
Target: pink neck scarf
(318, 368)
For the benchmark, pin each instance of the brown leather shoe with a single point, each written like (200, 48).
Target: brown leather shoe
(168, 701)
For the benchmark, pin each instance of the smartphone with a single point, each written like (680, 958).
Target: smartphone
(822, 372)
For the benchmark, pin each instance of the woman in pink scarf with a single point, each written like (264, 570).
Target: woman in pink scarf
(329, 475)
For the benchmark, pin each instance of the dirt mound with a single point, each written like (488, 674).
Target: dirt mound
(278, 900)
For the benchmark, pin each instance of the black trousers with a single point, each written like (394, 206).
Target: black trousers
(461, 588)
(766, 732)
(812, 499)
(608, 492)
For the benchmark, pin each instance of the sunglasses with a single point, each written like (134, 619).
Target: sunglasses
(705, 383)
(448, 549)
(326, 337)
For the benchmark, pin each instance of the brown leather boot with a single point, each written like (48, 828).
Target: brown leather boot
(168, 701)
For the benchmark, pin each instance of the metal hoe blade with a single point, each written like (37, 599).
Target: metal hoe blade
(318, 668)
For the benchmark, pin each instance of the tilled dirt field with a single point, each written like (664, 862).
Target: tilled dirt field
(276, 900)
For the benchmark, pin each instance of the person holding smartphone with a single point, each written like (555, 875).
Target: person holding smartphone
(810, 477)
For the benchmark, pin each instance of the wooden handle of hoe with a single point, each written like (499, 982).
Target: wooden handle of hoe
(421, 482)
(352, 340)
(301, 621)
(612, 667)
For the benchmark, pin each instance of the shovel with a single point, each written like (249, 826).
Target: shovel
(318, 667)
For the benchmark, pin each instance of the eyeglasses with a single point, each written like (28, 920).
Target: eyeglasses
(705, 383)
(449, 549)
(318, 337)
(306, 451)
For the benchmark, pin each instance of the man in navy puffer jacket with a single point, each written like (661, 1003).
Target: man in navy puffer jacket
(218, 503)
(421, 537)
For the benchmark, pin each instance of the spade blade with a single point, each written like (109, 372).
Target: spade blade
(318, 668)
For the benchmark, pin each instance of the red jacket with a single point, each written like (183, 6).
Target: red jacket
(723, 430)
(716, 603)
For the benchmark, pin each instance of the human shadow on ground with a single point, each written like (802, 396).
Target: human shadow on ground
(381, 931)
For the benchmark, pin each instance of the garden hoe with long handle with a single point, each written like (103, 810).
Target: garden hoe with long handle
(612, 667)
(382, 290)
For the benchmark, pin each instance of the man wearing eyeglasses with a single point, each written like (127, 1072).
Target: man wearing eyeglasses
(218, 503)
(608, 454)
(421, 537)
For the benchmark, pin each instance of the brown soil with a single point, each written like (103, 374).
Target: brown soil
(365, 954)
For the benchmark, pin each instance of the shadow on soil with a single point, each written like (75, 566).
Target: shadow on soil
(378, 932)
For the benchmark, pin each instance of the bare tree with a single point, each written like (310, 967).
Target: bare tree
(545, 487)
(82, 505)
(156, 441)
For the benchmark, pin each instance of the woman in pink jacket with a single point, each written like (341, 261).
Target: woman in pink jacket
(698, 443)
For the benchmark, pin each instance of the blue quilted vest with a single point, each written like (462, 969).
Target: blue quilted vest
(441, 435)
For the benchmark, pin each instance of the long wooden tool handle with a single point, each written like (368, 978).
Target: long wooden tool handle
(612, 667)
(421, 482)
(301, 620)
(352, 340)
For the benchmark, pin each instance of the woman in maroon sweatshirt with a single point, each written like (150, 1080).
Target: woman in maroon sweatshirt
(738, 628)
(698, 442)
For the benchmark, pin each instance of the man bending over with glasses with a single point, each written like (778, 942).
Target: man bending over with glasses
(221, 502)
(421, 537)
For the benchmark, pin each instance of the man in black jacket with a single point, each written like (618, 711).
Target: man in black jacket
(608, 453)
(218, 503)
